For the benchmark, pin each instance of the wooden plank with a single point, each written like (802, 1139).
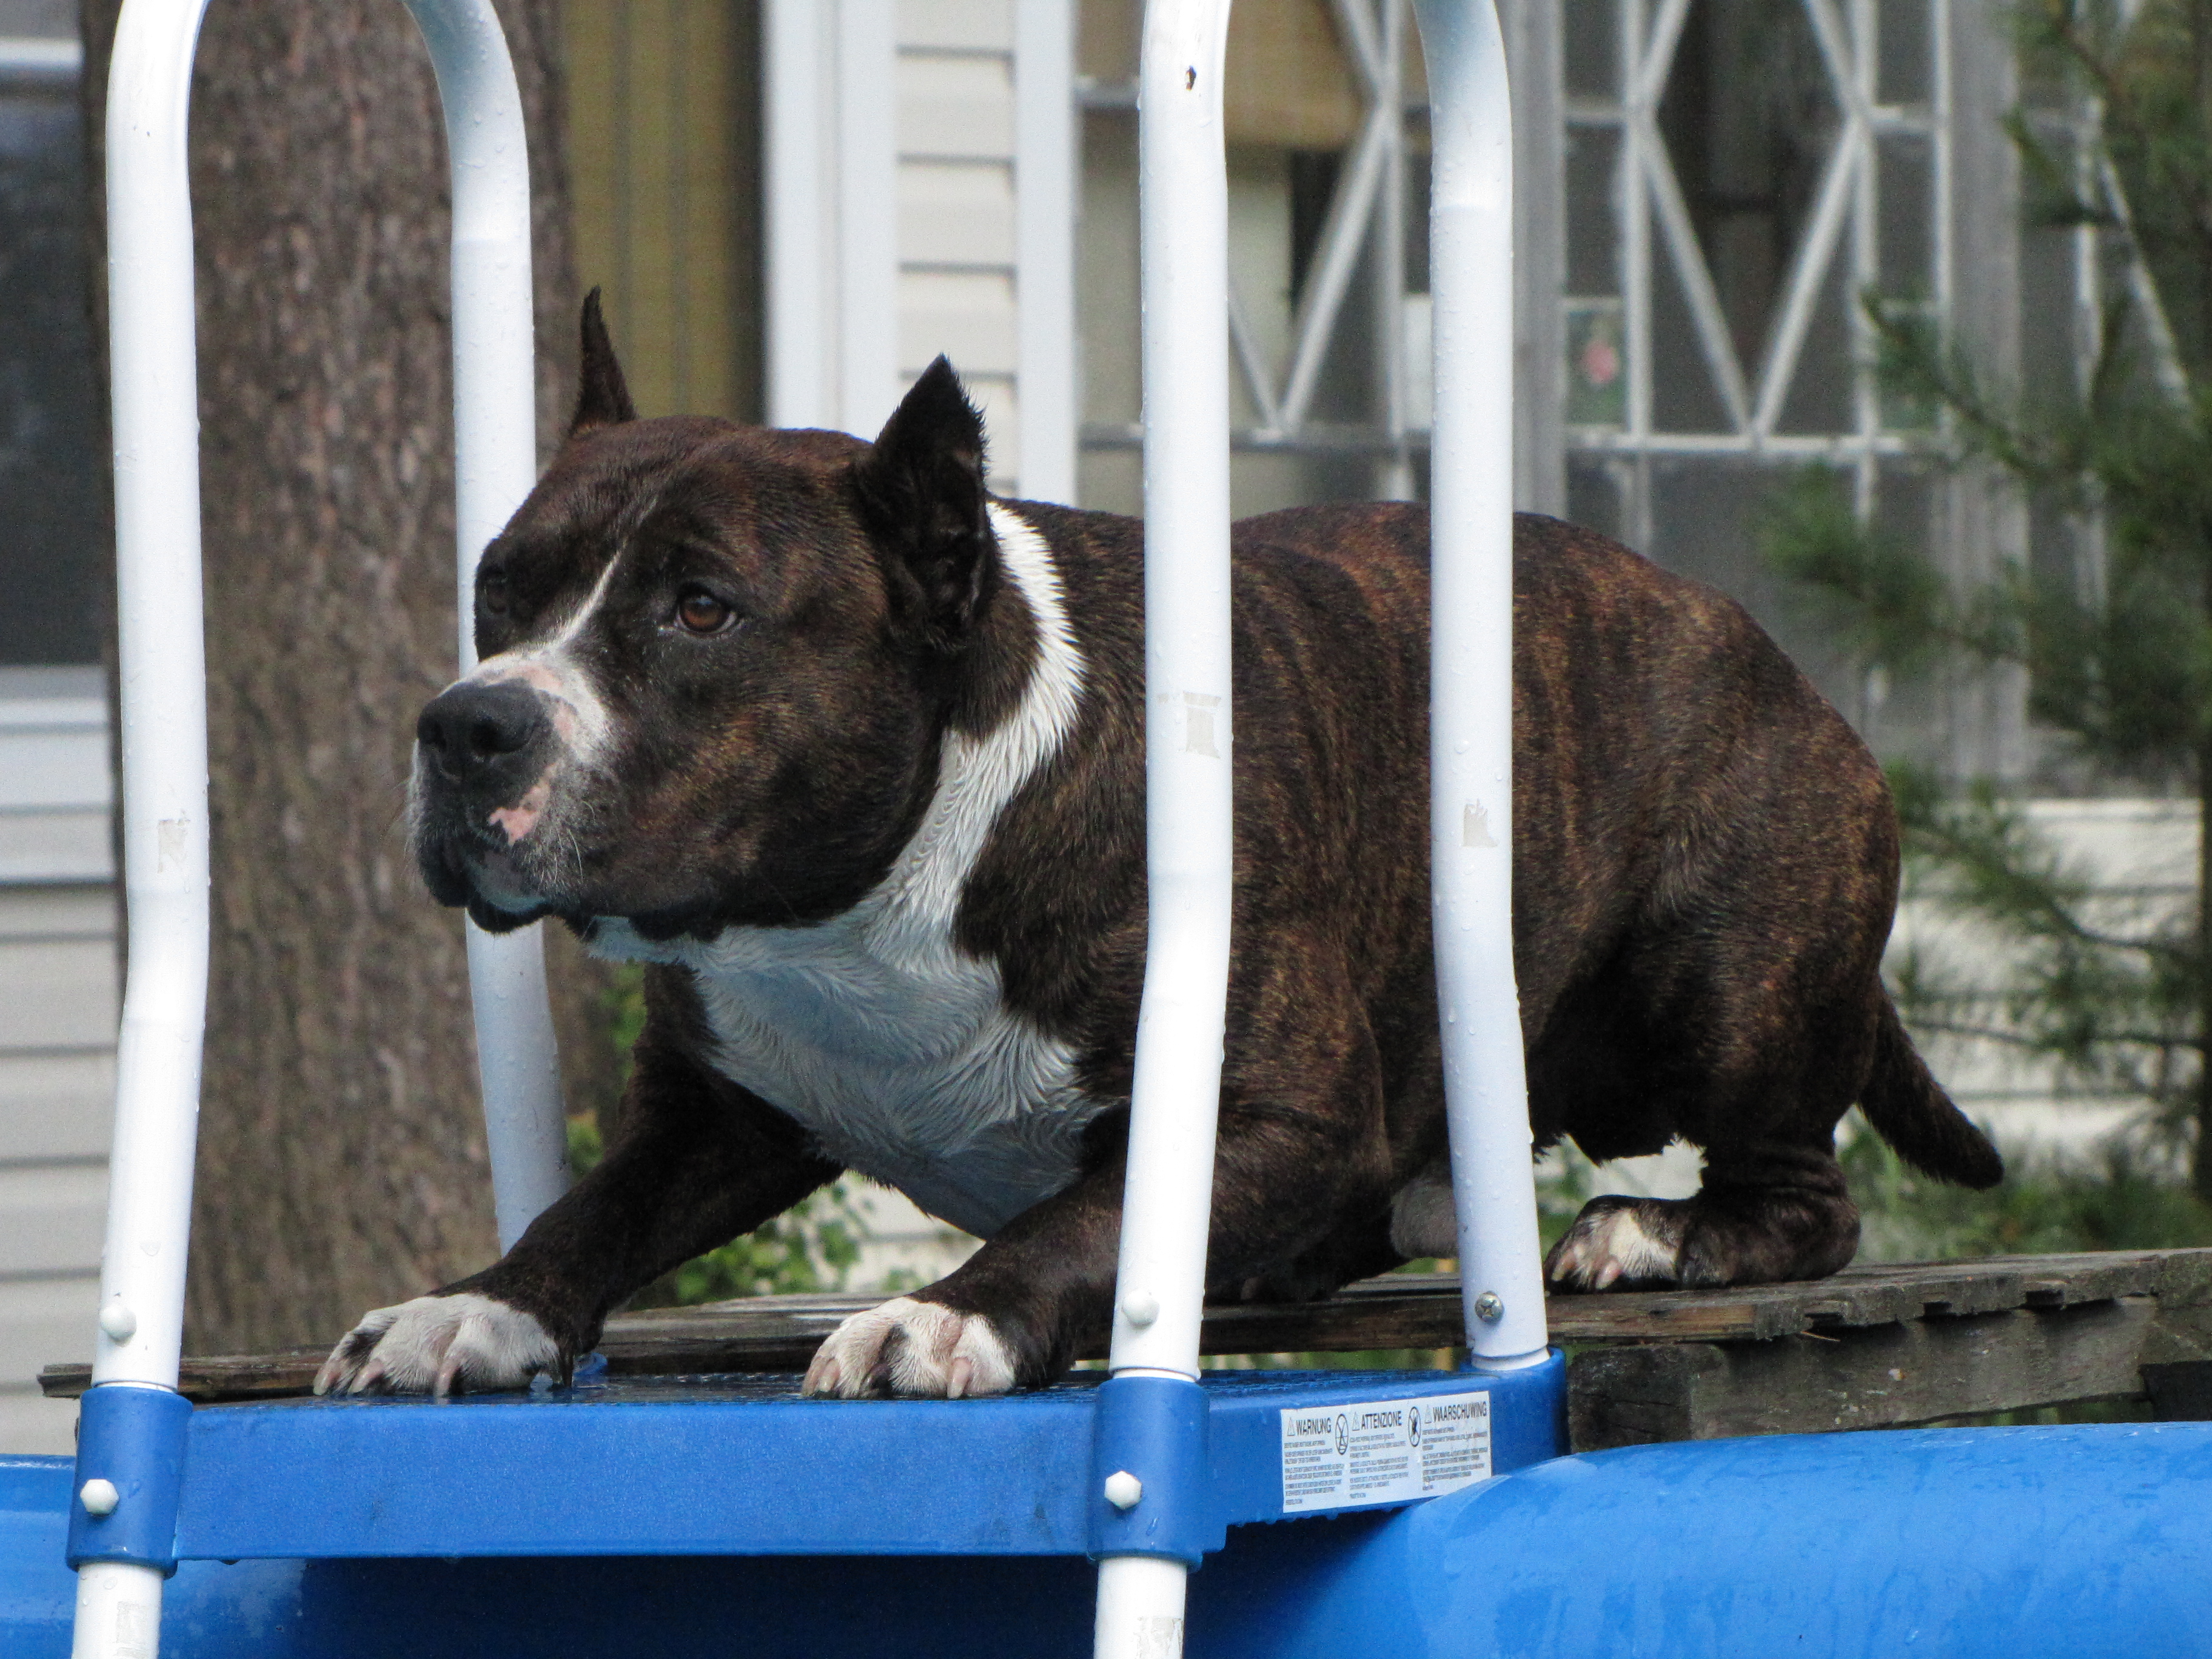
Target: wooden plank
(1397, 1311)
(1875, 1375)
(781, 1333)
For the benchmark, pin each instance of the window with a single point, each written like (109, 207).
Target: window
(53, 479)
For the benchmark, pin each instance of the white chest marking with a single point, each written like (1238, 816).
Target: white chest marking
(892, 1047)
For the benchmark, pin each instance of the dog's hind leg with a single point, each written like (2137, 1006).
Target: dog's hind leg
(1784, 1218)
(1752, 1066)
(1756, 1072)
(1749, 1005)
(1755, 1069)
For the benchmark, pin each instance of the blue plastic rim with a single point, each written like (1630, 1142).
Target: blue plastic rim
(2093, 1542)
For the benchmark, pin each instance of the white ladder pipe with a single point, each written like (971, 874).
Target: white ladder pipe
(163, 711)
(1190, 843)
(163, 706)
(495, 464)
(1471, 681)
(155, 394)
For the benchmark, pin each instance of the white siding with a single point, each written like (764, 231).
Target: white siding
(920, 166)
(954, 215)
(2141, 857)
(956, 25)
(58, 989)
(956, 244)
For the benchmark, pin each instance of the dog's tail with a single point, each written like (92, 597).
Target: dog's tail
(1910, 1110)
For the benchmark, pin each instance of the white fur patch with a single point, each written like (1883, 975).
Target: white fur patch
(873, 1030)
(581, 723)
(944, 1355)
(1423, 1219)
(579, 715)
(549, 665)
(1611, 1245)
(431, 1344)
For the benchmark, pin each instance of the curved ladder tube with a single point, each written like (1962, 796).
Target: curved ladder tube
(1188, 725)
(1471, 681)
(1189, 728)
(163, 708)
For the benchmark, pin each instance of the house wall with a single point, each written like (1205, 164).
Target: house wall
(956, 209)
(898, 225)
(2139, 857)
(59, 987)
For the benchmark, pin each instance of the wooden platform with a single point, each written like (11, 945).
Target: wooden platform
(1874, 1346)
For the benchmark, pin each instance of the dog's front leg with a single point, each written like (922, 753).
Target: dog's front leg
(1022, 1308)
(1300, 1148)
(696, 1161)
(1009, 1317)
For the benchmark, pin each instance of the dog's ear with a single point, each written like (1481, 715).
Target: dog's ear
(921, 487)
(601, 399)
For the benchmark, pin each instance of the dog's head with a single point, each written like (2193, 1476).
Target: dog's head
(717, 665)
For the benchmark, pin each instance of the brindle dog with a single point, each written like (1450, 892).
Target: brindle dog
(852, 754)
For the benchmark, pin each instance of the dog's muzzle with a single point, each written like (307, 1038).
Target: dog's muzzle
(483, 754)
(486, 743)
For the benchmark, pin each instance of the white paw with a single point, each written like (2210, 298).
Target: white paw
(940, 1355)
(435, 1342)
(1611, 1245)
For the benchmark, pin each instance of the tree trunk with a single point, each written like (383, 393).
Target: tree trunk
(342, 1157)
(2200, 1160)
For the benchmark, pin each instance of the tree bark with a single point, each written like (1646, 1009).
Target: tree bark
(2200, 1155)
(342, 1159)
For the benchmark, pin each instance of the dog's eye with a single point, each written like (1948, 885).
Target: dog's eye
(491, 592)
(700, 613)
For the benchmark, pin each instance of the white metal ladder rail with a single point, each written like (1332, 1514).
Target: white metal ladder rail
(1190, 727)
(164, 697)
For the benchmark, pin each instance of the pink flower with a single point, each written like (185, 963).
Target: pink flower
(1600, 362)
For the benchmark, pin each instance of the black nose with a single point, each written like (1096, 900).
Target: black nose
(476, 734)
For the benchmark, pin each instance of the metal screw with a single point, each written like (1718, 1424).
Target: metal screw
(1123, 1489)
(99, 1497)
(1489, 1307)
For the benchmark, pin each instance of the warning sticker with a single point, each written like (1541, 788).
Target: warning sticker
(1384, 1451)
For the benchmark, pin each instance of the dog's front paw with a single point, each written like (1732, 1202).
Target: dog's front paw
(1634, 1242)
(435, 1344)
(915, 1348)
